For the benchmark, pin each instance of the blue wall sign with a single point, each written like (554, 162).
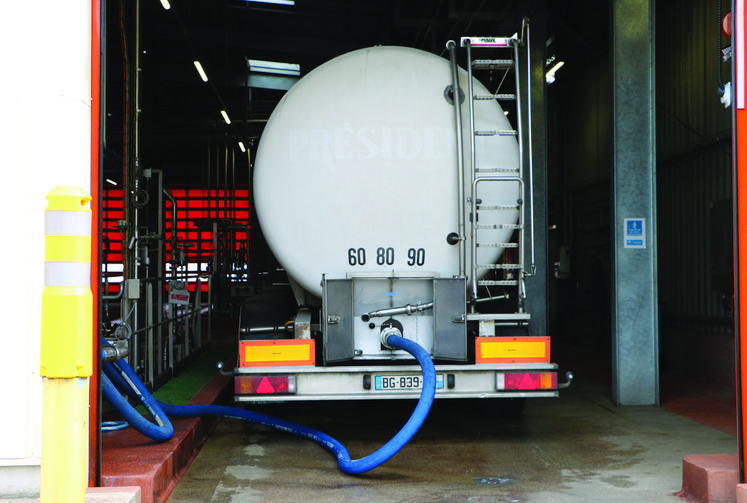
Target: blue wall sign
(635, 233)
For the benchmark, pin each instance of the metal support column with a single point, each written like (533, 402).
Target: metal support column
(635, 334)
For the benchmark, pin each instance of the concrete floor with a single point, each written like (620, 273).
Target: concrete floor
(576, 448)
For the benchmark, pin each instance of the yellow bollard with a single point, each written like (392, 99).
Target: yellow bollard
(66, 345)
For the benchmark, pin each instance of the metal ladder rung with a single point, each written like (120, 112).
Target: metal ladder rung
(490, 282)
(489, 42)
(500, 207)
(497, 170)
(492, 64)
(496, 132)
(499, 266)
(498, 227)
(497, 96)
(497, 245)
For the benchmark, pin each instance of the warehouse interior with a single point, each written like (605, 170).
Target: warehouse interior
(185, 144)
(178, 150)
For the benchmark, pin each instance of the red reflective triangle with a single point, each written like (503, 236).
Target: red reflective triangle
(265, 386)
(527, 382)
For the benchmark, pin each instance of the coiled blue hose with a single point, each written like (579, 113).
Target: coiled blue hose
(122, 375)
(118, 378)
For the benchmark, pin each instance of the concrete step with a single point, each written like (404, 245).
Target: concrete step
(710, 478)
(95, 495)
(113, 495)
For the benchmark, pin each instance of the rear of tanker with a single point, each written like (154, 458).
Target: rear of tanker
(394, 206)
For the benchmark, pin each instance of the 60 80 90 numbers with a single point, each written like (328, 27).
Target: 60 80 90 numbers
(385, 256)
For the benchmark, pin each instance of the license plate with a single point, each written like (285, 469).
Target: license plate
(404, 382)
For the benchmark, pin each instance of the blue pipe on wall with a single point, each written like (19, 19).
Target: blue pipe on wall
(125, 379)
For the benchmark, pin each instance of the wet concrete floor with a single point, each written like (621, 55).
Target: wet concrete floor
(576, 448)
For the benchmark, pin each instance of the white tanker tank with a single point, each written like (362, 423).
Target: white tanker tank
(384, 230)
(356, 171)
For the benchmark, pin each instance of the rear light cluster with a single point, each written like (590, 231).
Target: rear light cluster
(264, 385)
(526, 381)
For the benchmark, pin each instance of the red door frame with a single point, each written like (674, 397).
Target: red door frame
(94, 443)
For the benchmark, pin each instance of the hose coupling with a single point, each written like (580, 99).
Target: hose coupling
(388, 332)
(116, 351)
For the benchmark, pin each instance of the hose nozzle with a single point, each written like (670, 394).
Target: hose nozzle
(388, 332)
(389, 328)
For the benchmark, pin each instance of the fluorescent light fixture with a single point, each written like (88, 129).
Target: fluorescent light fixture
(109, 180)
(550, 75)
(277, 2)
(275, 67)
(225, 116)
(166, 4)
(242, 147)
(202, 73)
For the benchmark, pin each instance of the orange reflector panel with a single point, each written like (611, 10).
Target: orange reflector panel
(525, 381)
(264, 385)
(274, 353)
(512, 349)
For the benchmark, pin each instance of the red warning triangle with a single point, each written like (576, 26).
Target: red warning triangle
(527, 382)
(265, 386)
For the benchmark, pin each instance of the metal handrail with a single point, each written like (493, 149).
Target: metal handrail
(451, 46)
(525, 29)
(473, 166)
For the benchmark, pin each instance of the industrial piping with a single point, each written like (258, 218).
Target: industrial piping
(121, 376)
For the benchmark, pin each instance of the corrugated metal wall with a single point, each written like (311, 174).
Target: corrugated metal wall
(693, 168)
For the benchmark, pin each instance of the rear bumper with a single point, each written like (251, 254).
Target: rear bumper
(359, 382)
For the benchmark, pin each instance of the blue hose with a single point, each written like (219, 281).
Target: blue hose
(119, 376)
(113, 425)
(120, 373)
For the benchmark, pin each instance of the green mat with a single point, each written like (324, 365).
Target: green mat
(182, 388)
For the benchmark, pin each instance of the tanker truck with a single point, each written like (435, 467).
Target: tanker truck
(390, 187)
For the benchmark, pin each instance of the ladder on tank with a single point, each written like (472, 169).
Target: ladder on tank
(515, 271)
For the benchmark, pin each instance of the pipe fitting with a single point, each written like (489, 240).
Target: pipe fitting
(407, 309)
(115, 352)
(388, 332)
